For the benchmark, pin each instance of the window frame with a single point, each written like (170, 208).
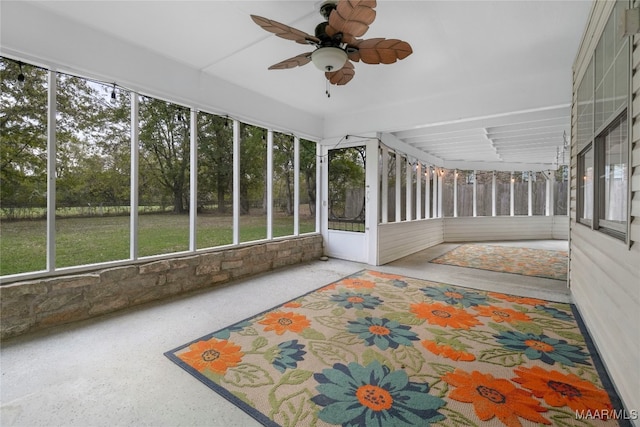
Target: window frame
(581, 174)
(595, 143)
(615, 229)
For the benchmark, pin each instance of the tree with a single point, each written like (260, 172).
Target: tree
(164, 142)
(253, 165)
(308, 171)
(215, 160)
(346, 178)
(283, 159)
(23, 136)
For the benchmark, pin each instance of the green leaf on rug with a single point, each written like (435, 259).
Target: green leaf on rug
(409, 358)
(576, 338)
(331, 353)
(247, 375)
(319, 305)
(295, 410)
(501, 356)
(441, 368)
(405, 318)
(331, 322)
(338, 311)
(295, 377)
(312, 334)
(498, 327)
(455, 418)
(556, 324)
(528, 328)
(346, 338)
(369, 356)
(248, 331)
(259, 343)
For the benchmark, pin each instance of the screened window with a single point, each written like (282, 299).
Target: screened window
(215, 181)
(347, 189)
(484, 195)
(448, 178)
(23, 175)
(538, 193)
(163, 177)
(96, 166)
(92, 172)
(253, 183)
(503, 193)
(283, 200)
(561, 191)
(464, 192)
(307, 210)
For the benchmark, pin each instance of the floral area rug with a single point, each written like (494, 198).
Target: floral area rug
(376, 349)
(508, 259)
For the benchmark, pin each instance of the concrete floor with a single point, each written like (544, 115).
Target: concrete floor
(111, 371)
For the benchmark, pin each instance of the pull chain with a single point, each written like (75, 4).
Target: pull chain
(328, 89)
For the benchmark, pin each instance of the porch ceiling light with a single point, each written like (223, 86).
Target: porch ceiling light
(329, 59)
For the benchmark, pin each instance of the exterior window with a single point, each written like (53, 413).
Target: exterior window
(585, 193)
(602, 134)
(613, 178)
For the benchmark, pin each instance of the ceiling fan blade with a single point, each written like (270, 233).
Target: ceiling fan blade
(296, 61)
(381, 51)
(351, 18)
(284, 31)
(342, 76)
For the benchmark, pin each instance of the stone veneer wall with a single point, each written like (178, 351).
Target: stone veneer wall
(37, 304)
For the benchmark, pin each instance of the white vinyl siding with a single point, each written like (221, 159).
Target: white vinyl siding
(604, 272)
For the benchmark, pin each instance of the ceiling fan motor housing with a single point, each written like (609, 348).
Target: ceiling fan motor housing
(327, 7)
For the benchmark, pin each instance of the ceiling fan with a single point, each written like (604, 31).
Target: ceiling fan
(336, 40)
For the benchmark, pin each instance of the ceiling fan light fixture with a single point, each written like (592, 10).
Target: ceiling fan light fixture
(329, 58)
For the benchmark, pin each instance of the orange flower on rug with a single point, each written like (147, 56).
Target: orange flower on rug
(494, 397)
(376, 350)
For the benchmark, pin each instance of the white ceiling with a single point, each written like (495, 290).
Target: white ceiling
(488, 81)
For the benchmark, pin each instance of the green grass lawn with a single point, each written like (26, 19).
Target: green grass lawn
(100, 239)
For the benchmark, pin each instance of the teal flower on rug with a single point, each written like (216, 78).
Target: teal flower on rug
(287, 355)
(366, 396)
(399, 283)
(541, 347)
(455, 296)
(554, 312)
(356, 300)
(383, 333)
(226, 333)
